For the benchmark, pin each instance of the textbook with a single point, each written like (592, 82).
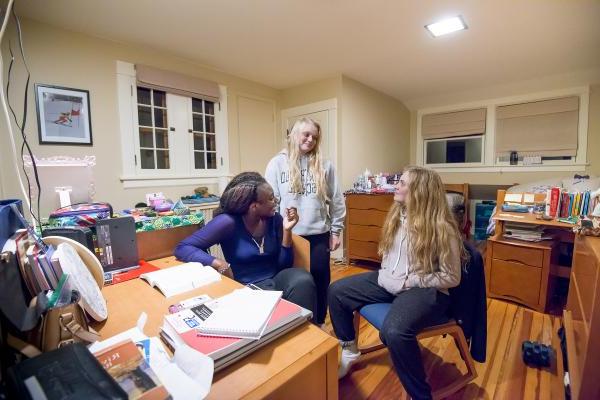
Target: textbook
(175, 330)
(182, 278)
(126, 363)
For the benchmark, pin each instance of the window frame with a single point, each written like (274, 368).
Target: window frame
(490, 163)
(182, 170)
(457, 165)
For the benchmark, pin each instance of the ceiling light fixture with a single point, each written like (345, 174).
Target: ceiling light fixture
(446, 26)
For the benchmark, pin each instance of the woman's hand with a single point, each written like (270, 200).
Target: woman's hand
(290, 219)
(222, 265)
(334, 242)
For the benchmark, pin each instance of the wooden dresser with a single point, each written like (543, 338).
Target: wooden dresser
(581, 319)
(365, 214)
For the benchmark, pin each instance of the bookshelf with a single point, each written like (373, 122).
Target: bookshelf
(527, 272)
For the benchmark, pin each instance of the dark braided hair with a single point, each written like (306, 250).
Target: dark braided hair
(239, 193)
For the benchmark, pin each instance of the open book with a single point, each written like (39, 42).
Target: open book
(182, 278)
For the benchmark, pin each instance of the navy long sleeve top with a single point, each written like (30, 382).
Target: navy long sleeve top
(239, 248)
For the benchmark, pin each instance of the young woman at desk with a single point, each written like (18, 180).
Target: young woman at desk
(301, 178)
(421, 249)
(256, 241)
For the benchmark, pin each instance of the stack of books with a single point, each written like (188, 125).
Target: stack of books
(526, 232)
(231, 342)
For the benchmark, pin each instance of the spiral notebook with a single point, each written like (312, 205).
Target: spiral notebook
(243, 313)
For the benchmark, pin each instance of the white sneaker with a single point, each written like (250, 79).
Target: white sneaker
(346, 362)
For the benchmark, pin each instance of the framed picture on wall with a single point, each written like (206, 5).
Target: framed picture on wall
(63, 115)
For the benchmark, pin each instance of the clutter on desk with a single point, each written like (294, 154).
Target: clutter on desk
(187, 374)
(127, 365)
(83, 214)
(383, 182)
(526, 232)
(200, 196)
(180, 329)
(111, 278)
(70, 369)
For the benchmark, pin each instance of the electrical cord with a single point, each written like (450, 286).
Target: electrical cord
(21, 126)
(5, 108)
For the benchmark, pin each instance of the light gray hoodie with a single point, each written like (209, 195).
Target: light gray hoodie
(315, 216)
(397, 272)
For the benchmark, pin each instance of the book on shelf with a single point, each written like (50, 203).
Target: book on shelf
(182, 278)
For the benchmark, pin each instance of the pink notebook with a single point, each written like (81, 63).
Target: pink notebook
(217, 347)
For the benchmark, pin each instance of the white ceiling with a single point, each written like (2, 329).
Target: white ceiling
(382, 43)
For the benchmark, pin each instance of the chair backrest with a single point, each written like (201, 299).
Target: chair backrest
(301, 249)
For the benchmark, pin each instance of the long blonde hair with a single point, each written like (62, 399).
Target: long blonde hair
(315, 161)
(431, 227)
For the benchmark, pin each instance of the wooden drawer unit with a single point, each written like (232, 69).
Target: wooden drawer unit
(515, 281)
(365, 216)
(523, 255)
(519, 271)
(581, 319)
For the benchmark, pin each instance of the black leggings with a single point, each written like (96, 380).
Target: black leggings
(412, 311)
(319, 268)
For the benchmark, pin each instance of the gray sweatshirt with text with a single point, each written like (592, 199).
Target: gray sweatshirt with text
(315, 215)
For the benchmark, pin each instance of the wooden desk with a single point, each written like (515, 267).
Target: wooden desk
(299, 365)
(522, 271)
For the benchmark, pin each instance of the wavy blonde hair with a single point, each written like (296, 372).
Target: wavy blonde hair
(315, 161)
(431, 227)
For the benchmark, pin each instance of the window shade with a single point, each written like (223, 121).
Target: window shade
(546, 128)
(175, 83)
(453, 124)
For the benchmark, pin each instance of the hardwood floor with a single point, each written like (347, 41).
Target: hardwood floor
(502, 376)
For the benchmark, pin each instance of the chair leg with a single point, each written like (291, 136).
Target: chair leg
(463, 348)
(367, 349)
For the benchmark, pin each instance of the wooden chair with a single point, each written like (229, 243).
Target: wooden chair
(375, 314)
(462, 189)
(301, 249)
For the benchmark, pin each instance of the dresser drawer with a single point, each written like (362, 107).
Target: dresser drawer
(366, 250)
(364, 233)
(366, 217)
(515, 280)
(525, 255)
(370, 202)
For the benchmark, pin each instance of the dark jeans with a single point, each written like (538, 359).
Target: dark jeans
(320, 270)
(296, 284)
(412, 310)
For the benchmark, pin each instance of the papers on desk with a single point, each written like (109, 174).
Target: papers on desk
(182, 278)
(526, 232)
(177, 329)
(187, 375)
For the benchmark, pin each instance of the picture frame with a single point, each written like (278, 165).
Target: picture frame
(63, 115)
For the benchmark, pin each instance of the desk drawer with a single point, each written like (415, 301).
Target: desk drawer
(366, 250)
(367, 217)
(525, 255)
(370, 202)
(364, 233)
(515, 280)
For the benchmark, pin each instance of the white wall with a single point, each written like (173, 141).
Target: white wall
(59, 57)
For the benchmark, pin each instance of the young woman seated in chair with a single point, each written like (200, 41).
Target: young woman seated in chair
(256, 241)
(421, 249)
